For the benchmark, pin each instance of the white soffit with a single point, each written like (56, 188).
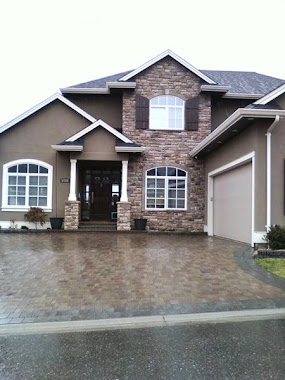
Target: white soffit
(176, 58)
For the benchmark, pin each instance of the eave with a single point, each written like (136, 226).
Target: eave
(67, 148)
(103, 90)
(228, 126)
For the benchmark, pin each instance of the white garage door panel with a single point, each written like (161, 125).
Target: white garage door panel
(233, 204)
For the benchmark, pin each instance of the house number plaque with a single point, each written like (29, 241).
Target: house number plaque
(64, 180)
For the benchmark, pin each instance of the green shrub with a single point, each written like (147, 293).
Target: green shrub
(35, 215)
(276, 237)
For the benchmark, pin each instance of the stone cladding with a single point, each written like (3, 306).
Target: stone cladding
(124, 216)
(167, 147)
(71, 215)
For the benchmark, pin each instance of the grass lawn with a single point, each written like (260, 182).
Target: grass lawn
(275, 266)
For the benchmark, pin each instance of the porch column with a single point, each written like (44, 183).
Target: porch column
(124, 195)
(72, 188)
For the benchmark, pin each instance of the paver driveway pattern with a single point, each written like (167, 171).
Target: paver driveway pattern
(48, 274)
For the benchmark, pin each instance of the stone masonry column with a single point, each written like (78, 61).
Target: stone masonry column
(71, 215)
(72, 207)
(123, 216)
(124, 207)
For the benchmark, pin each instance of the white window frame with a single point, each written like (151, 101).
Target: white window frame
(5, 206)
(166, 178)
(167, 107)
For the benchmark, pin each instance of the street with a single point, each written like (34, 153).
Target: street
(244, 350)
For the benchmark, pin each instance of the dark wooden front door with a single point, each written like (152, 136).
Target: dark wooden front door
(100, 193)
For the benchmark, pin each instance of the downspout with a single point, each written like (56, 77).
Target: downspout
(268, 173)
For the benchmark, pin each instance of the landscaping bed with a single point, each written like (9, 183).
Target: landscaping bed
(275, 266)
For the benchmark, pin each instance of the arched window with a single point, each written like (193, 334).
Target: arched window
(26, 183)
(166, 112)
(166, 188)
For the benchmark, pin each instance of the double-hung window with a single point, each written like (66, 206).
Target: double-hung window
(166, 112)
(166, 188)
(27, 183)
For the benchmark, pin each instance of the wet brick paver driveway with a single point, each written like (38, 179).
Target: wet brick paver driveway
(69, 276)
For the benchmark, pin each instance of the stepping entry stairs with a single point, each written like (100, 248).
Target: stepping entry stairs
(98, 226)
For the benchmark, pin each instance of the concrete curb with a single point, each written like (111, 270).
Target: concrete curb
(141, 322)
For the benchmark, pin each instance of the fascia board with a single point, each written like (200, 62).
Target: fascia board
(99, 90)
(176, 58)
(236, 116)
(98, 123)
(129, 149)
(237, 95)
(43, 104)
(271, 95)
(67, 148)
(214, 88)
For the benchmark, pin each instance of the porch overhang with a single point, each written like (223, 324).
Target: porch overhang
(67, 148)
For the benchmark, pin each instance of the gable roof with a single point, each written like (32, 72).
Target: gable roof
(167, 53)
(99, 123)
(271, 95)
(44, 103)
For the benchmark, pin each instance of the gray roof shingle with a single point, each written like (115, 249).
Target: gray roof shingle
(241, 82)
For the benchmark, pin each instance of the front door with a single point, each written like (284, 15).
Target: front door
(100, 194)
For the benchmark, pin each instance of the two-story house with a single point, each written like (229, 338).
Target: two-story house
(189, 150)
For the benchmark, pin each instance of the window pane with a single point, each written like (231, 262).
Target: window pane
(115, 188)
(13, 169)
(23, 168)
(172, 203)
(11, 201)
(43, 191)
(158, 118)
(150, 203)
(43, 181)
(160, 203)
(171, 100)
(162, 100)
(154, 101)
(161, 171)
(172, 183)
(21, 190)
(180, 203)
(21, 201)
(33, 191)
(181, 194)
(150, 183)
(179, 102)
(12, 180)
(33, 168)
(160, 193)
(43, 170)
(21, 180)
(181, 184)
(150, 193)
(34, 180)
(42, 201)
(33, 201)
(151, 172)
(160, 183)
(171, 193)
(12, 190)
(171, 124)
(181, 173)
(171, 171)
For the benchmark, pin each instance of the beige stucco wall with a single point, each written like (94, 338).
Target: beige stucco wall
(105, 107)
(32, 139)
(252, 139)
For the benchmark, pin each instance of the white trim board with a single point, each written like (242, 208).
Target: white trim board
(99, 90)
(250, 157)
(99, 123)
(176, 58)
(44, 103)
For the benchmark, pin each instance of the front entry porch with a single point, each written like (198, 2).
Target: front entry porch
(98, 194)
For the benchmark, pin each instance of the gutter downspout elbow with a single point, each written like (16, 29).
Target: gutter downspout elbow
(268, 171)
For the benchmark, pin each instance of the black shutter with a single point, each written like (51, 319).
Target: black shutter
(142, 112)
(192, 114)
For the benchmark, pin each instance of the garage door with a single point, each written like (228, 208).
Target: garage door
(232, 204)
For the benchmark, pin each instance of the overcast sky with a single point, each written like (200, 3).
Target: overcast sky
(47, 45)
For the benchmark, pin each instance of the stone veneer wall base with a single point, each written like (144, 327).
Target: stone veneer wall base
(123, 216)
(71, 215)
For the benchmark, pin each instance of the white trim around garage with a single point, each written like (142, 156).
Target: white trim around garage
(229, 166)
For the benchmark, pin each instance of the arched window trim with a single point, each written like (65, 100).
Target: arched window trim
(5, 206)
(166, 179)
(167, 110)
